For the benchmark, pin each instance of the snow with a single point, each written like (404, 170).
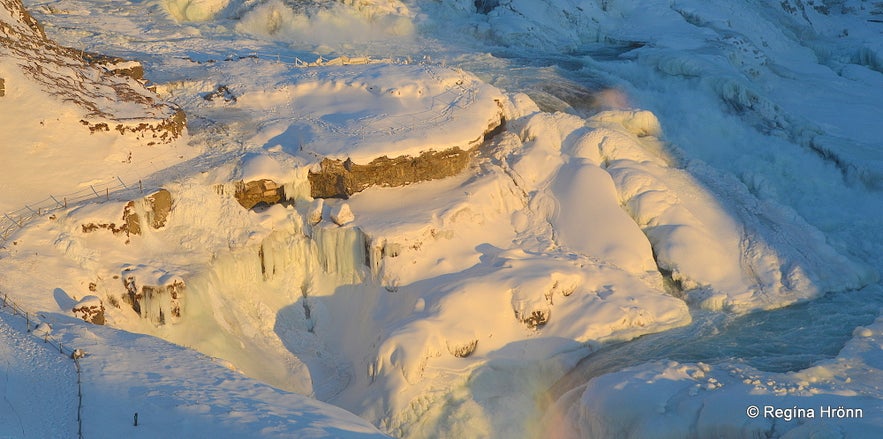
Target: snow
(670, 399)
(333, 23)
(341, 214)
(38, 385)
(194, 10)
(376, 110)
(89, 301)
(666, 174)
(174, 391)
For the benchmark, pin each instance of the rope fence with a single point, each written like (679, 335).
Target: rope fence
(11, 222)
(113, 188)
(31, 319)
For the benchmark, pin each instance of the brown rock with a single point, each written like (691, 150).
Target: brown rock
(157, 205)
(90, 309)
(252, 193)
(340, 179)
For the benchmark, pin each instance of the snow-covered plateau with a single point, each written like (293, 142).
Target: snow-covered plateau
(424, 218)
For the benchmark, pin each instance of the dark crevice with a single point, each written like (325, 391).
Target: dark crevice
(485, 6)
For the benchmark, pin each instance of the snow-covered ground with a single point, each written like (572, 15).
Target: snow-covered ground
(173, 391)
(678, 169)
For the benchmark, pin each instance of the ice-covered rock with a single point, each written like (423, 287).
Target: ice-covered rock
(154, 294)
(341, 214)
(314, 216)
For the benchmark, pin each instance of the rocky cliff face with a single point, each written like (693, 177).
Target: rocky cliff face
(251, 193)
(105, 91)
(341, 178)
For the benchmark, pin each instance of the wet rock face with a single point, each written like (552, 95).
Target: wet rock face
(340, 179)
(90, 309)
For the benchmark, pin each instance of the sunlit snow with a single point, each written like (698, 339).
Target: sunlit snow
(669, 215)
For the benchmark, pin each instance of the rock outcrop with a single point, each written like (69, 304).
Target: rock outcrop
(250, 194)
(340, 179)
(90, 309)
(154, 207)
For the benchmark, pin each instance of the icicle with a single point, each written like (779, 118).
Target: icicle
(341, 251)
(375, 257)
(299, 189)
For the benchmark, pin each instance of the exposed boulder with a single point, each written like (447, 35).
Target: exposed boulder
(90, 309)
(250, 194)
(462, 349)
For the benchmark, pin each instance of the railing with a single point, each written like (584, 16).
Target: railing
(74, 354)
(11, 222)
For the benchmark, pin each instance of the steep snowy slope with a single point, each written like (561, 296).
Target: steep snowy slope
(63, 105)
(38, 385)
(173, 391)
